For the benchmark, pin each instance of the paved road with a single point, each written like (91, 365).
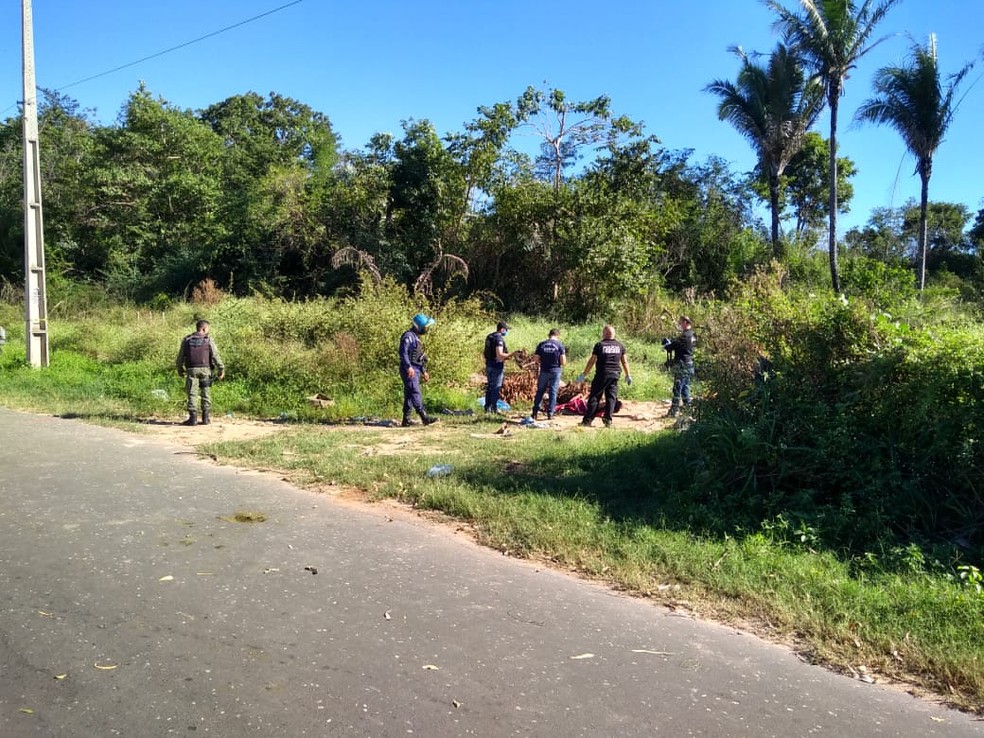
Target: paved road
(130, 605)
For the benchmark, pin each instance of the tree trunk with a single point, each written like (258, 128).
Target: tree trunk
(925, 172)
(777, 246)
(833, 100)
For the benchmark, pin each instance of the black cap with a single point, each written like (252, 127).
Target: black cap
(501, 324)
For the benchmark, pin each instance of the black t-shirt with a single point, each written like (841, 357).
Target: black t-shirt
(491, 341)
(609, 353)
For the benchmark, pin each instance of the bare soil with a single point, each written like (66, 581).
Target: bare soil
(647, 417)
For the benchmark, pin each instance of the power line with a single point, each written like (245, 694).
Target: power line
(173, 48)
(181, 46)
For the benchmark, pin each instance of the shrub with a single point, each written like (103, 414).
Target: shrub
(833, 414)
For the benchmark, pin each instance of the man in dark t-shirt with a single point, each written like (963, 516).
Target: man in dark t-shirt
(551, 356)
(609, 356)
(496, 354)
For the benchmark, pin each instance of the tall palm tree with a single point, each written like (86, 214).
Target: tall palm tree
(773, 107)
(914, 101)
(832, 35)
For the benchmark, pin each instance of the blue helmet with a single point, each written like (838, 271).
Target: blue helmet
(421, 322)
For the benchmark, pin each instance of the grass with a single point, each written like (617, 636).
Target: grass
(613, 506)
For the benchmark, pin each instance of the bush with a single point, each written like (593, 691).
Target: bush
(834, 415)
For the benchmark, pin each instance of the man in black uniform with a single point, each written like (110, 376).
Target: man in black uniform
(681, 364)
(496, 354)
(609, 355)
(197, 357)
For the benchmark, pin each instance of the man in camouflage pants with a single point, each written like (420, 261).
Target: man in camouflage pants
(197, 358)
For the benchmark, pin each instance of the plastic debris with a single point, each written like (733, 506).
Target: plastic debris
(439, 470)
(501, 405)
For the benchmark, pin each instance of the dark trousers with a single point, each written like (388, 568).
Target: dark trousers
(601, 385)
(682, 374)
(412, 397)
(494, 374)
(548, 382)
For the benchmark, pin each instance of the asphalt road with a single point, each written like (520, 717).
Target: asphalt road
(131, 604)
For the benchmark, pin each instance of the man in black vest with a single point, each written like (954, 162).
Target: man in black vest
(197, 358)
(609, 355)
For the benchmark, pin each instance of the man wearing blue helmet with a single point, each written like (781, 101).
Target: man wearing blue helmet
(413, 368)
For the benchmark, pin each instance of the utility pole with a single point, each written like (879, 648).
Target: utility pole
(36, 311)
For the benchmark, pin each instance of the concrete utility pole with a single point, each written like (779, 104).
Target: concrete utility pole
(36, 312)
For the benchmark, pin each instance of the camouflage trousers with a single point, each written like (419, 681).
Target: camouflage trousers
(198, 381)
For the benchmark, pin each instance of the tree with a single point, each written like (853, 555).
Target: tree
(881, 237)
(912, 99)
(806, 183)
(566, 127)
(157, 193)
(941, 226)
(976, 234)
(832, 35)
(425, 191)
(773, 107)
(478, 150)
(277, 169)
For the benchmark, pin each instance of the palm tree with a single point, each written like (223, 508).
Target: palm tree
(832, 35)
(913, 100)
(773, 107)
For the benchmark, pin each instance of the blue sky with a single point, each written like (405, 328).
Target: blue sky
(368, 65)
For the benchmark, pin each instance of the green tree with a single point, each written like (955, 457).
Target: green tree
(478, 150)
(157, 194)
(772, 106)
(805, 184)
(881, 237)
(67, 140)
(912, 99)
(277, 168)
(427, 188)
(832, 35)
(976, 234)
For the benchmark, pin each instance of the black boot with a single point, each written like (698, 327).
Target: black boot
(192, 418)
(428, 419)
(407, 422)
(206, 416)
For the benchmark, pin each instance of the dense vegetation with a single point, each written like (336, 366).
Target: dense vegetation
(845, 423)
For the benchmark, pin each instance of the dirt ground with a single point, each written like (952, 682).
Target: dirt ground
(647, 417)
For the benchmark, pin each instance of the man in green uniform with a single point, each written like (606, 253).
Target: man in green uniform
(197, 358)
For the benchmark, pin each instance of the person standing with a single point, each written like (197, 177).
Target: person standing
(496, 354)
(681, 364)
(197, 358)
(551, 356)
(413, 369)
(609, 356)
